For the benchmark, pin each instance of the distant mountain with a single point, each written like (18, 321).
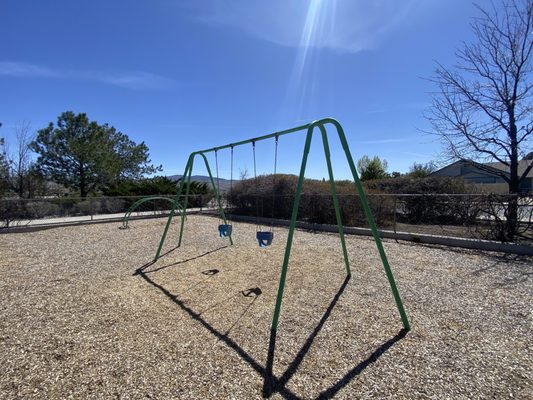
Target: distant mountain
(224, 184)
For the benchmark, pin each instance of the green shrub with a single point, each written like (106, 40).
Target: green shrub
(273, 197)
(200, 194)
(407, 185)
(88, 207)
(13, 210)
(42, 209)
(429, 205)
(160, 185)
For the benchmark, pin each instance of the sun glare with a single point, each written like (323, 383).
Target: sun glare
(316, 29)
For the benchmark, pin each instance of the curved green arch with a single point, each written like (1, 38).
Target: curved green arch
(134, 206)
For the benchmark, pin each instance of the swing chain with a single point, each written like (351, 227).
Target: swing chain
(258, 225)
(216, 163)
(231, 173)
(218, 180)
(255, 167)
(274, 184)
(276, 155)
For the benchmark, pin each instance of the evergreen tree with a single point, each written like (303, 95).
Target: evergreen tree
(86, 156)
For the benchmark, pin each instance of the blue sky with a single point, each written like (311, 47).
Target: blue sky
(182, 75)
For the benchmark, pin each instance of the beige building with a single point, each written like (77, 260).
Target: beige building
(488, 176)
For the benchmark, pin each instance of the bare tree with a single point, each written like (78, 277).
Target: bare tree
(22, 177)
(482, 109)
(19, 159)
(3, 167)
(422, 170)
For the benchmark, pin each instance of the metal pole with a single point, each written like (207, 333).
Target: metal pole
(259, 138)
(335, 198)
(173, 208)
(296, 203)
(395, 205)
(372, 223)
(184, 210)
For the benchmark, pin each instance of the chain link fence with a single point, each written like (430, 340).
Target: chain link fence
(477, 216)
(22, 212)
(459, 215)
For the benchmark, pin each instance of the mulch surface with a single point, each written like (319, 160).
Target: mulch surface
(84, 314)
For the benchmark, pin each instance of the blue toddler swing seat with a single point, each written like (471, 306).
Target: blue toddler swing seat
(264, 238)
(224, 230)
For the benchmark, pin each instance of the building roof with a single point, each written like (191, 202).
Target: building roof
(483, 167)
(495, 167)
(522, 165)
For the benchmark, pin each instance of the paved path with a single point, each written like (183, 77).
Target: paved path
(94, 218)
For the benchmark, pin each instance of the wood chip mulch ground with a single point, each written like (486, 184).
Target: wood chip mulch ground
(84, 315)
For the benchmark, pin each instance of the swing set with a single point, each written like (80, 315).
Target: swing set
(265, 237)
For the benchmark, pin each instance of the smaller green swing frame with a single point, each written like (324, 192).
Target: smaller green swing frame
(137, 204)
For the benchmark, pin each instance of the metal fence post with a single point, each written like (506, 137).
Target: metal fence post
(394, 218)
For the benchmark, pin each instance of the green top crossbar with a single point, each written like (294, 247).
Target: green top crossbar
(320, 124)
(256, 139)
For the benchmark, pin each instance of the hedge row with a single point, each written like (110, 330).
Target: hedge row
(273, 197)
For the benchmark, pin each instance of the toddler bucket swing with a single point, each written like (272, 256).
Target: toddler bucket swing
(224, 230)
(264, 237)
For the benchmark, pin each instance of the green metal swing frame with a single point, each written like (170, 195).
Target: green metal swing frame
(310, 128)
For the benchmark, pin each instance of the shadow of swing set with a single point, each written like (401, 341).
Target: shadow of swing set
(265, 238)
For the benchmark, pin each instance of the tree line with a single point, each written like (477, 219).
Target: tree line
(75, 153)
(376, 168)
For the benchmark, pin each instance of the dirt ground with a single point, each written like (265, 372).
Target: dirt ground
(85, 315)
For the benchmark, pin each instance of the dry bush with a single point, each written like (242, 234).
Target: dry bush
(273, 197)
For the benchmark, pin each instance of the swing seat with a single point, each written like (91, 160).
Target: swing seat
(264, 238)
(224, 230)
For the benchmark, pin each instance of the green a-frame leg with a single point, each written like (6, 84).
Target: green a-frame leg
(186, 182)
(310, 128)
